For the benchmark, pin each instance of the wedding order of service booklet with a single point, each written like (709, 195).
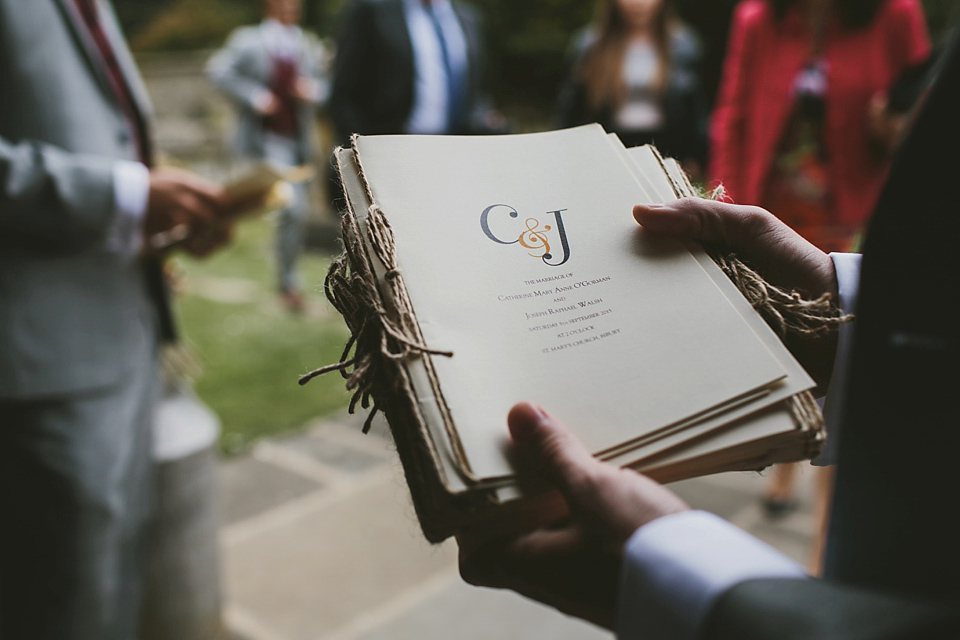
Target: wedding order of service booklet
(482, 271)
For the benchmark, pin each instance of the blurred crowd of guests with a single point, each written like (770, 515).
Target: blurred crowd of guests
(812, 99)
(802, 122)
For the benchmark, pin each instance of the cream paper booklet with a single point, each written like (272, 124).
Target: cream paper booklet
(482, 271)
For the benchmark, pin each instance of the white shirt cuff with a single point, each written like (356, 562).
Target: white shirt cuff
(131, 190)
(847, 266)
(675, 567)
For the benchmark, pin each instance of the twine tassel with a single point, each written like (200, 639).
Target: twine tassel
(338, 366)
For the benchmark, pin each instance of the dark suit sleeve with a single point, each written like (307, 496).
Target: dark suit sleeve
(689, 121)
(352, 68)
(783, 609)
(480, 103)
(571, 107)
(572, 103)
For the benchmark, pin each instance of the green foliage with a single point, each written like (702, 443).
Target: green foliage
(320, 16)
(170, 25)
(189, 24)
(134, 15)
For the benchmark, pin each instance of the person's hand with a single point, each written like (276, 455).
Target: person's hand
(268, 106)
(777, 252)
(205, 239)
(305, 89)
(571, 565)
(495, 122)
(181, 205)
(234, 209)
(759, 238)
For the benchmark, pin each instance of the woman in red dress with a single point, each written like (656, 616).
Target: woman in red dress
(791, 131)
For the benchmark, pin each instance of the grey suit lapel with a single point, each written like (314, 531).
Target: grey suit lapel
(85, 44)
(95, 61)
(131, 74)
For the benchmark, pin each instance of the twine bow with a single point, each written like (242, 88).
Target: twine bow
(379, 337)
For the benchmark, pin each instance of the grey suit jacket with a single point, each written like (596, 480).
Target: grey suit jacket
(71, 312)
(242, 69)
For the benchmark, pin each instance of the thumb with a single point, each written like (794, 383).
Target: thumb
(665, 219)
(548, 449)
(696, 219)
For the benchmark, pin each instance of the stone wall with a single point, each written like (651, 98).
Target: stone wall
(193, 119)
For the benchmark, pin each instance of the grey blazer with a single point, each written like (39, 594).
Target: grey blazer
(71, 312)
(242, 69)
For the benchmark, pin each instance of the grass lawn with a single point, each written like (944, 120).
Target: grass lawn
(250, 348)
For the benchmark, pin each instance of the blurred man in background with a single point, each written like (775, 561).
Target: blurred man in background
(270, 72)
(83, 309)
(410, 66)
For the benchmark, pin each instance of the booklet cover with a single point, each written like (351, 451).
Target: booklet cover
(514, 266)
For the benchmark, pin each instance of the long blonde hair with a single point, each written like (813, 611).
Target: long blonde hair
(601, 67)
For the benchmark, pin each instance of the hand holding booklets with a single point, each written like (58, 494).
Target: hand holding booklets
(260, 188)
(482, 271)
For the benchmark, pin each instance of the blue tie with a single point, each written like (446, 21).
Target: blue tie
(454, 78)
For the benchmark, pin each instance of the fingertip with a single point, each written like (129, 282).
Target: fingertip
(540, 437)
(658, 218)
(523, 420)
(641, 211)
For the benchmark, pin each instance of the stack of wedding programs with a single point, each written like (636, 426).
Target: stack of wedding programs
(482, 271)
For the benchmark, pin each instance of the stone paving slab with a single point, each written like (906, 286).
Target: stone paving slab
(328, 547)
(249, 486)
(308, 576)
(330, 451)
(469, 613)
